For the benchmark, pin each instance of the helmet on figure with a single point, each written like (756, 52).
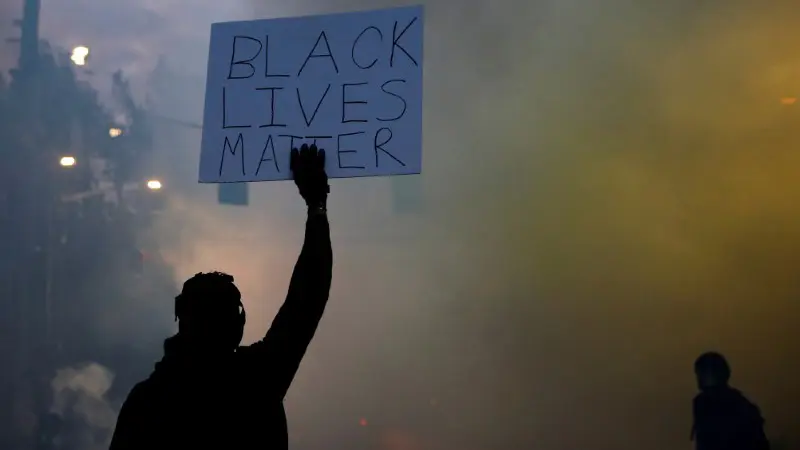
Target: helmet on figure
(210, 312)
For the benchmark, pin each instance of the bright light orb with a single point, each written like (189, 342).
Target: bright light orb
(79, 55)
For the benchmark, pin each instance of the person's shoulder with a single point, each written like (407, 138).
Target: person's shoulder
(149, 388)
(140, 392)
(736, 396)
(704, 402)
(137, 404)
(699, 398)
(736, 393)
(745, 403)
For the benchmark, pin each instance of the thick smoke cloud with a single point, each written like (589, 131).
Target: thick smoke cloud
(608, 191)
(80, 403)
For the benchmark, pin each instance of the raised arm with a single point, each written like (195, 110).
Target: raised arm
(296, 322)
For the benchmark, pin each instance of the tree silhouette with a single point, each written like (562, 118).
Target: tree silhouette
(70, 254)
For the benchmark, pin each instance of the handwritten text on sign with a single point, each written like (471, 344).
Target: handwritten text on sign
(351, 83)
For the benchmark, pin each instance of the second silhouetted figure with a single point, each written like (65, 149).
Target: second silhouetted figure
(723, 418)
(209, 392)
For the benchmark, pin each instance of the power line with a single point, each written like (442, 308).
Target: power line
(182, 123)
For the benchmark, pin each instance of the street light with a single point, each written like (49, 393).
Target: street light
(153, 185)
(114, 132)
(79, 55)
(67, 161)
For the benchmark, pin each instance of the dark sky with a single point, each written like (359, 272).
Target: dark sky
(610, 189)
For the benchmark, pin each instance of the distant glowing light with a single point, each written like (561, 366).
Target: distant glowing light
(153, 185)
(67, 161)
(79, 55)
(789, 100)
(362, 422)
(114, 132)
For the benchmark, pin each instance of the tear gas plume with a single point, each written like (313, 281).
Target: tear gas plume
(609, 190)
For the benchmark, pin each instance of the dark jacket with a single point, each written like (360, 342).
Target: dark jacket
(235, 401)
(724, 419)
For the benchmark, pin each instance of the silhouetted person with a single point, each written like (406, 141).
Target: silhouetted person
(723, 418)
(207, 391)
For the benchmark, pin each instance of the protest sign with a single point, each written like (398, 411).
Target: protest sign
(351, 83)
